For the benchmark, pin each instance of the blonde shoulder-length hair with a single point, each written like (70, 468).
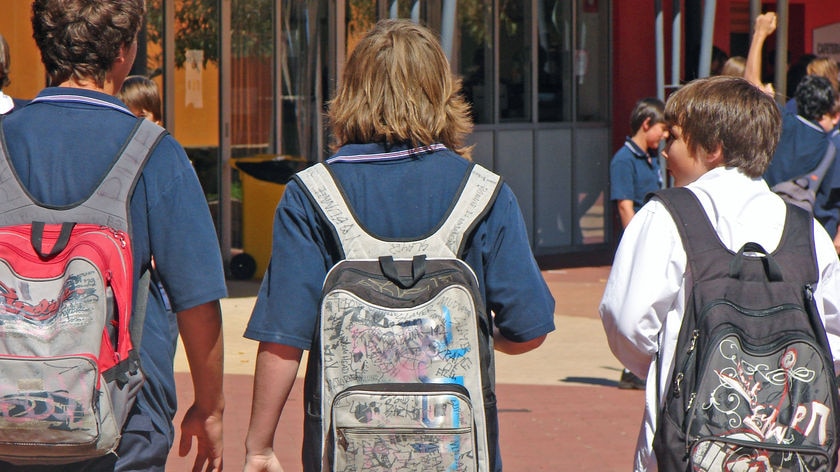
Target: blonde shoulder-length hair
(397, 88)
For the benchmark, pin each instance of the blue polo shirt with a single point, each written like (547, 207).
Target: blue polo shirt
(633, 174)
(60, 150)
(802, 145)
(827, 203)
(403, 196)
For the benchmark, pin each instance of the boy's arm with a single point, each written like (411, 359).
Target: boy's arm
(274, 376)
(643, 287)
(765, 25)
(201, 332)
(625, 211)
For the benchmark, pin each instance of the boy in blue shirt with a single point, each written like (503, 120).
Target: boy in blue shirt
(634, 173)
(634, 169)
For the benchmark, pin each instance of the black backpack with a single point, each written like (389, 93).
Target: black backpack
(753, 385)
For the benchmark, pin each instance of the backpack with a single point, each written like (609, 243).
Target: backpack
(401, 373)
(69, 363)
(802, 191)
(753, 385)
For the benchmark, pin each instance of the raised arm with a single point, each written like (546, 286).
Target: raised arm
(765, 25)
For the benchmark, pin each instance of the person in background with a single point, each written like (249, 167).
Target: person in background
(60, 145)
(634, 173)
(805, 133)
(399, 121)
(142, 96)
(7, 103)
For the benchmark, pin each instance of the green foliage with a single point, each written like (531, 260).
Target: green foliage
(197, 26)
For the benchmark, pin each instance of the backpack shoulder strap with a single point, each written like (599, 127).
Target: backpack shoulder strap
(108, 205)
(475, 198)
(700, 241)
(816, 176)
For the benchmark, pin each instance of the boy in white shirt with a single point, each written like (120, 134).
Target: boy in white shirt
(719, 152)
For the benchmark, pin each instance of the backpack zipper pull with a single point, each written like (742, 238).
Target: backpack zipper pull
(693, 343)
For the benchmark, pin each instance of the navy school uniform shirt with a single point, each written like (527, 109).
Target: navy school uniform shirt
(61, 150)
(827, 204)
(802, 145)
(402, 194)
(632, 177)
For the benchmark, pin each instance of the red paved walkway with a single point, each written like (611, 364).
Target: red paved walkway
(559, 408)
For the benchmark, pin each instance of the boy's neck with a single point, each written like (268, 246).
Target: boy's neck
(639, 140)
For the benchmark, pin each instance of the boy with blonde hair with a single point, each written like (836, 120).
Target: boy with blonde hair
(719, 153)
(399, 122)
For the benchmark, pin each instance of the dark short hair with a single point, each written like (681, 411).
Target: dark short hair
(82, 38)
(730, 113)
(814, 97)
(645, 108)
(5, 61)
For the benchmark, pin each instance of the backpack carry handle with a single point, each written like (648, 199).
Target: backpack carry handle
(37, 239)
(389, 270)
(771, 267)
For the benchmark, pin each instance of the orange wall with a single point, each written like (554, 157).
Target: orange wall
(194, 127)
(26, 72)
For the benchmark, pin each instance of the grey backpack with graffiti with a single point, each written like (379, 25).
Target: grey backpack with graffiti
(402, 378)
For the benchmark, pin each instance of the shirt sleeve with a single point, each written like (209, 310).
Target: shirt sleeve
(827, 292)
(286, 310)
(621, 179)
(643, 286)
(183, 238)
(516, 291)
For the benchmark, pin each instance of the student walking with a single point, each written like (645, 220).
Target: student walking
(61, 145)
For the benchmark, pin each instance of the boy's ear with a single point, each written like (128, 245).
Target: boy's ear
(646, 124)
(714, 158)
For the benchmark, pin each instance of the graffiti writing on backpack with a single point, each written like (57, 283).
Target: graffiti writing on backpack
(54, 410)
(770, 400)
(384, 346)
(70, 307)
(408, 452)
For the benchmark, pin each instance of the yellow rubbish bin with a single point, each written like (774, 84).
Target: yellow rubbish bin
(264, 179)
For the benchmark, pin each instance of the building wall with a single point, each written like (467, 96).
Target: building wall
(634, 61)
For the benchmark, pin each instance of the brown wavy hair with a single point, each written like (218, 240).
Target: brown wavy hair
(729, 112)
(81, 39)
(397, 87)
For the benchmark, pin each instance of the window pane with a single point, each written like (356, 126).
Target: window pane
(475, 64)
(515, 61)
(590, 61)
(554, 55)
(409, 9)
(361, 16)
(252, 74)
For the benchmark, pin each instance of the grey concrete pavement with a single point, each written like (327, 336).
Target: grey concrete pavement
(559, 405)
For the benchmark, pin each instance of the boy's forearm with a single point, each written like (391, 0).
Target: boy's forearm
(201, 332)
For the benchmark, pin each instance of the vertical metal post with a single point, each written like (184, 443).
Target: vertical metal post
(279, 58)
(780, 69)
(707, 35)
(660, 49)
(169, 65)
(676, 43)
(224, 171)
(755, 10)
(447, 27)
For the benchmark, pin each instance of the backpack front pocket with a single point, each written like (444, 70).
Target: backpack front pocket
(393, 426)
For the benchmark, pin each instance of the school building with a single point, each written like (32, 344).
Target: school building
(552, 83)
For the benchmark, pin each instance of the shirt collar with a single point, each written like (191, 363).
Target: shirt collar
(635, 149)
(84, 96)
(371, 152)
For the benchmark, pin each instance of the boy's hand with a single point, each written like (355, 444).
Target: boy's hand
(765, 24)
